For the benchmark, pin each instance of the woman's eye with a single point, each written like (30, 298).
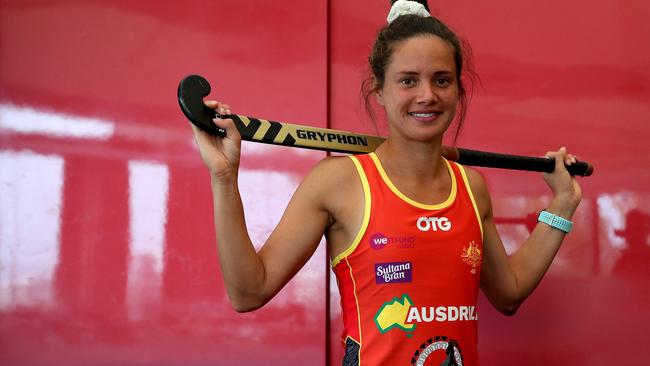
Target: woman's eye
(407, 82)
(442, 82)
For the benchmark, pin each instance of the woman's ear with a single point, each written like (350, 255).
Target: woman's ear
(377, 91)
(379, 97)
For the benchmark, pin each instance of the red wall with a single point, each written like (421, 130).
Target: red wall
(106, 241)
(107, 244)
(554, 73)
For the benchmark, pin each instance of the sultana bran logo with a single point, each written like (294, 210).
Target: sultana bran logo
(393, 272)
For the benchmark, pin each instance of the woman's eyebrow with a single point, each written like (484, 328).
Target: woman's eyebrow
(439, 72)
(408, 73)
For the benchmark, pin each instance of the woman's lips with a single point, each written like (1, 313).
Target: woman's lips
(424, 116)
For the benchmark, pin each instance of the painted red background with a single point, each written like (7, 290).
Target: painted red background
(107, 253)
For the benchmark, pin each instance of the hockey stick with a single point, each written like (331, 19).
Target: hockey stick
(194, 88)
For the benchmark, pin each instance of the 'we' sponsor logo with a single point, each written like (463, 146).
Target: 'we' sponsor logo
(379, 241)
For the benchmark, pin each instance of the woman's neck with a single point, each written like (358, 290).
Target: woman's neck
(421, 161)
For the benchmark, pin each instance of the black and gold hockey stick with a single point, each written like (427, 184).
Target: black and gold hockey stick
(194, 88)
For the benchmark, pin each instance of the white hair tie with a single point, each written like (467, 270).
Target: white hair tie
(406, 7)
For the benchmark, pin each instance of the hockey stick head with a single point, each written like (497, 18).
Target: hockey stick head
(191, 91)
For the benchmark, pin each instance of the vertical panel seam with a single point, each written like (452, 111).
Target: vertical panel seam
(328, 124)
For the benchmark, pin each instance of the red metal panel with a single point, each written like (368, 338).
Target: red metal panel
(107, 251)
(553, 73)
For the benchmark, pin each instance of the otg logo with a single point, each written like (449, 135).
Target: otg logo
(434, 224)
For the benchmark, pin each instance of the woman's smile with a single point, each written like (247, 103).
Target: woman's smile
(424, 116)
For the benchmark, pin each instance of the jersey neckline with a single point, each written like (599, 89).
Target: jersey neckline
(403, 197)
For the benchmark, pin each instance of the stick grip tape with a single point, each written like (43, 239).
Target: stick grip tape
(516, 162)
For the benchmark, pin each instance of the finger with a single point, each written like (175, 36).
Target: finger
(229, 125)
(211, 104)
(560, 159)
(222, 109)
(570, 159)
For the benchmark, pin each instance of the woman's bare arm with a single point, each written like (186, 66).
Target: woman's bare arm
(508, 280)
(253, 278)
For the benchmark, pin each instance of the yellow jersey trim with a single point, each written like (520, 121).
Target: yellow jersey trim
(389, 183)
(347, 336)
(366, 213)
(471, 196)
(356, 300)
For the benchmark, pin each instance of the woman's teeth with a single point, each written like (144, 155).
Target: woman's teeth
(423, 115)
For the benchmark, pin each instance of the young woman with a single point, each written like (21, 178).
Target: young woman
(411, 234)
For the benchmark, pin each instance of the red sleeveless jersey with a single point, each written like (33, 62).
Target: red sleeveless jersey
(409, 281)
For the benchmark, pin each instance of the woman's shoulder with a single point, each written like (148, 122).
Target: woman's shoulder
(479, 189)
(332, 182)
(333, 170)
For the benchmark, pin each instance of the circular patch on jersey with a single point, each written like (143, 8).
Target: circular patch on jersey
(440, 350)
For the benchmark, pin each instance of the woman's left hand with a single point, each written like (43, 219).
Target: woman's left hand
(564, 186)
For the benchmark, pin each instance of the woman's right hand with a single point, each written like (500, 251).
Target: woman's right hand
(220, 154)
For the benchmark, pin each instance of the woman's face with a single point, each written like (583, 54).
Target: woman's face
(420, 91)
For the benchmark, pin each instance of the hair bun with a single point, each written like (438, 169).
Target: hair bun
(423, 2)
(407, 7)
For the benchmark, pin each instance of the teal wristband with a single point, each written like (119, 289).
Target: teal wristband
(555, 221)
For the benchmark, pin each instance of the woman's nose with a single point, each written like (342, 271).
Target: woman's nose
(427, 93)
